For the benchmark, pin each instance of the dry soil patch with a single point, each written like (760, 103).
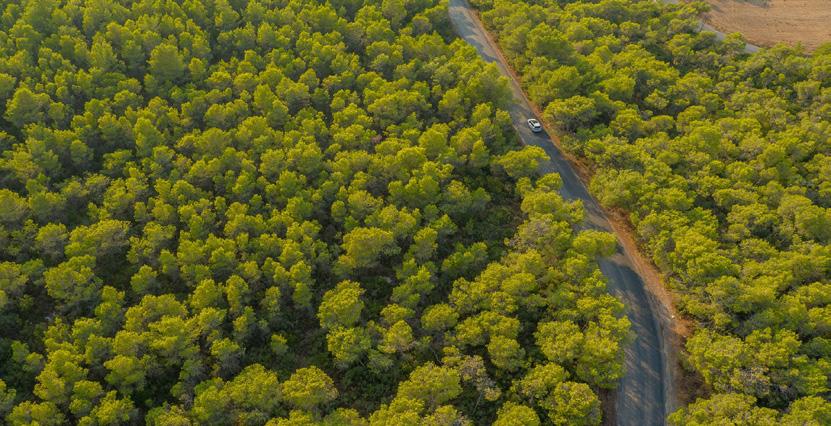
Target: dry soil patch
(767, 22)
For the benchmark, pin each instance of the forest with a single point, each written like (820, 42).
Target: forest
(304, 212)
(721, 161)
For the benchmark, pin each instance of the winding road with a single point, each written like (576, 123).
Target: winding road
(646, 393)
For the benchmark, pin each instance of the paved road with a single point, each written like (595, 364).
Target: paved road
(646, 393)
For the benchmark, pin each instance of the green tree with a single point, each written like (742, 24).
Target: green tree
(348, 345)
(26, 107)
(166, 63)
(432, 384)
(341, 306)
(573, 403)
(516, 415)
(724, 408)
(364, 247)
(308, 388)
(73, 282)
(522, 163)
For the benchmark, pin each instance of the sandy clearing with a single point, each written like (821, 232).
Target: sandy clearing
(767, 22)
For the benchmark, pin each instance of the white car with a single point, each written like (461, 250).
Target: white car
(535, 125)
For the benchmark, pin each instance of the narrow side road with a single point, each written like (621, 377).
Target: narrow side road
(647, 393)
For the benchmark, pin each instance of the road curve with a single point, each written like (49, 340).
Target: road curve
(646, 393)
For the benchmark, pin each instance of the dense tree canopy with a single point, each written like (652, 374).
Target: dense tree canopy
(291, 212)
(722, 160)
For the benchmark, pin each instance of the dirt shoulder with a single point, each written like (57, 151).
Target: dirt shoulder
(767, 22)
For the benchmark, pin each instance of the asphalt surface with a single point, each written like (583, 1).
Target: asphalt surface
(645, 395)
